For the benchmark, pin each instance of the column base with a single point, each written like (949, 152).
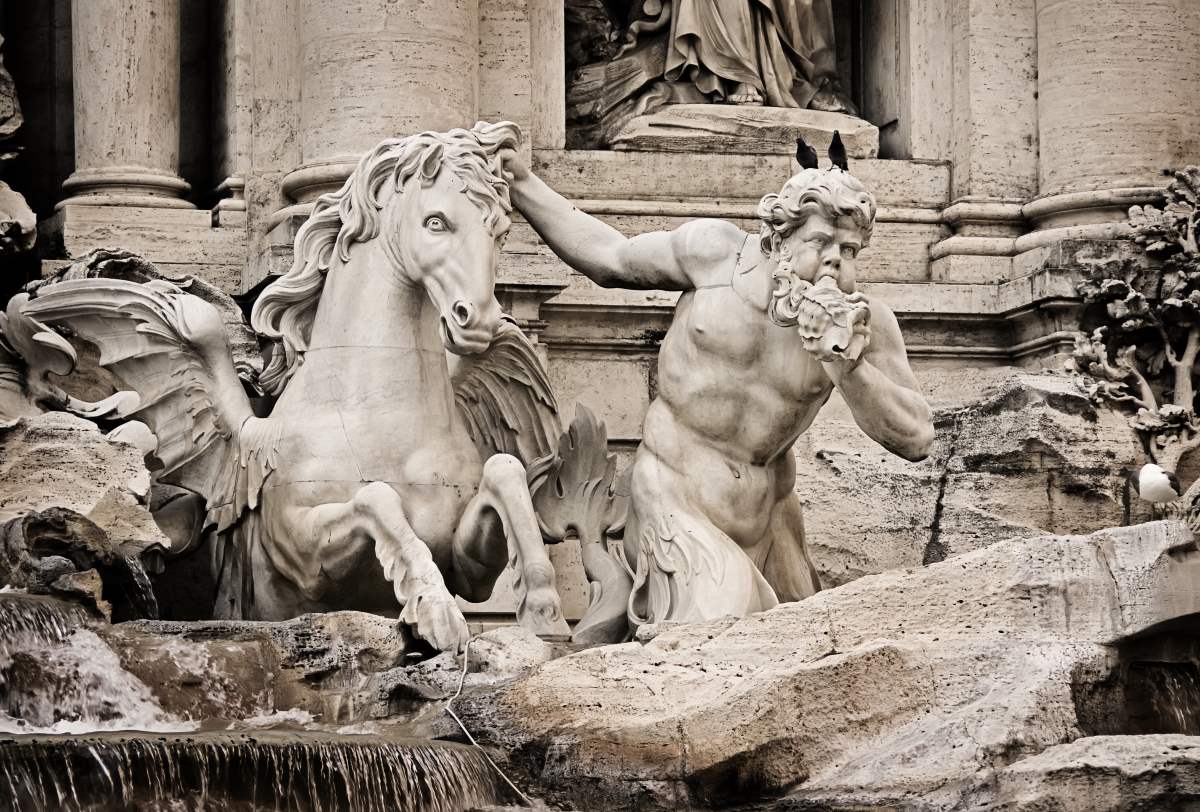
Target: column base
(125, 186)
(315, 178)
(178, 241)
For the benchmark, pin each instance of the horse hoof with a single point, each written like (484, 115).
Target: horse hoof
(541, 613)
(438, 621)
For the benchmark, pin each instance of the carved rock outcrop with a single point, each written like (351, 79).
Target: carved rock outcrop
(912, 687)
(1032, 455)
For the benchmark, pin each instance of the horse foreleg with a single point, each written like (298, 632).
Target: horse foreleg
(376, 515)
(499, 527)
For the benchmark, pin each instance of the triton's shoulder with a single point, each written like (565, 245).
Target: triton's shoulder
(709, 240)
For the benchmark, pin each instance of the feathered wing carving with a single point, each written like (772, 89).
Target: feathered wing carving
(505, 399)
(169, 348)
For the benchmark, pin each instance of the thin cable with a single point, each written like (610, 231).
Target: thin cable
(461, 679)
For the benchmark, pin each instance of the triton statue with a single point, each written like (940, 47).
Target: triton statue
(766, 327)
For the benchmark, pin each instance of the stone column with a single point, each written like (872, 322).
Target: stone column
(375, 69)
(993, 73)
(1117, 87)
(125, 57)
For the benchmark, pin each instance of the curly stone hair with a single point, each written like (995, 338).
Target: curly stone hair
(285, 311)
(831, 192)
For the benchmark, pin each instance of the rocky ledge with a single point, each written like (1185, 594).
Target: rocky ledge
(953, 686)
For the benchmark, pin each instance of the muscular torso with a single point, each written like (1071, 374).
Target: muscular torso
(735, 391)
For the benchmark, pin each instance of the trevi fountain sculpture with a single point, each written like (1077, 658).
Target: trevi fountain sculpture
(398, 446)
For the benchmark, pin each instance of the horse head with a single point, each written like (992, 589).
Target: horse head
(445, 226)
(439, 204)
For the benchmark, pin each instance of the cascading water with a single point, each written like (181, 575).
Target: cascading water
(78, 731)
(58, 676)
(268, 770)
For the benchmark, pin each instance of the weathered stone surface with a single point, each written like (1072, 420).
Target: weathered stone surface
(59, 552)
(59, 460)
(18, 224)
(321, 665)
(1105, 774)
(743, 129)
(907, 688)
(334, 669)
(10, 105)
(1032, 455)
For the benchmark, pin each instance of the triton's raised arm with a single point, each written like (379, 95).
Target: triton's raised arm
(658, 260)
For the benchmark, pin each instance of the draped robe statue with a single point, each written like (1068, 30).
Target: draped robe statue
(780, 53)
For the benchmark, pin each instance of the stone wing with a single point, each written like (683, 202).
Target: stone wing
(505, 399)
(170, 349)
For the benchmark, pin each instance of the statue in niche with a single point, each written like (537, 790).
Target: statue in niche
(778, 53)
(767, 326)
(774, 53)
(390, 474)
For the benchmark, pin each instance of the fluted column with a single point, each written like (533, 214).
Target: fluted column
(1117, 89)
(125, 57)
(374, 69)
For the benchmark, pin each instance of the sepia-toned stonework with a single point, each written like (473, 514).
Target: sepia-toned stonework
(389, 325)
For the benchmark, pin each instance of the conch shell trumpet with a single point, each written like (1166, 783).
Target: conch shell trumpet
(825, 317)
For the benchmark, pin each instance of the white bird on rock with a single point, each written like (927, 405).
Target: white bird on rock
(1158, 485)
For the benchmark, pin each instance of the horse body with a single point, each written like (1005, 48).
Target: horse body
(376, 473)
(372, 402)
(377, 481)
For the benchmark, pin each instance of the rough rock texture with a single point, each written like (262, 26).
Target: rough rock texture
(59, 552)
(10, 106)
(340, 668)
(910, 687)
(18, 223)
(1105, 774)
(59, 460)
(1033, 455)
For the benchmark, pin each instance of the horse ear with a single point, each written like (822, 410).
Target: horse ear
(431, 162)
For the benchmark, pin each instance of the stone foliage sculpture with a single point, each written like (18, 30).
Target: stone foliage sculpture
(1143, 313)
(380, 476)
(766, 327)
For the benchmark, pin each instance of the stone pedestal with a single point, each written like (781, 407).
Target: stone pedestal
(745, 129)
(126, 89)
(377, 69)
(1111, 117)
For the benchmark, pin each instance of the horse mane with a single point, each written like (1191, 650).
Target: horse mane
(285, 311)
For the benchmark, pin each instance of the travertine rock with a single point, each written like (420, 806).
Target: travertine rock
(1032, 455)
(904, 688)
(60, 460)
(59, 552)
(1105, 774)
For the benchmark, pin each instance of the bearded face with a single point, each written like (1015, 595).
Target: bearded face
(823, 247)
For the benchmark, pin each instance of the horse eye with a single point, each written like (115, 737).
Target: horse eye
(435, 224)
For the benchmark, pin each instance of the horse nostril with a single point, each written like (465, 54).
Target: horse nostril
(462, 312)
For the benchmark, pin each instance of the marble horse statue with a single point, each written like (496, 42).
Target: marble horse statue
(391, 469)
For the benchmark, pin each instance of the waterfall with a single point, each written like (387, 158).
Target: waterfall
(58, 676)
(265, 770)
